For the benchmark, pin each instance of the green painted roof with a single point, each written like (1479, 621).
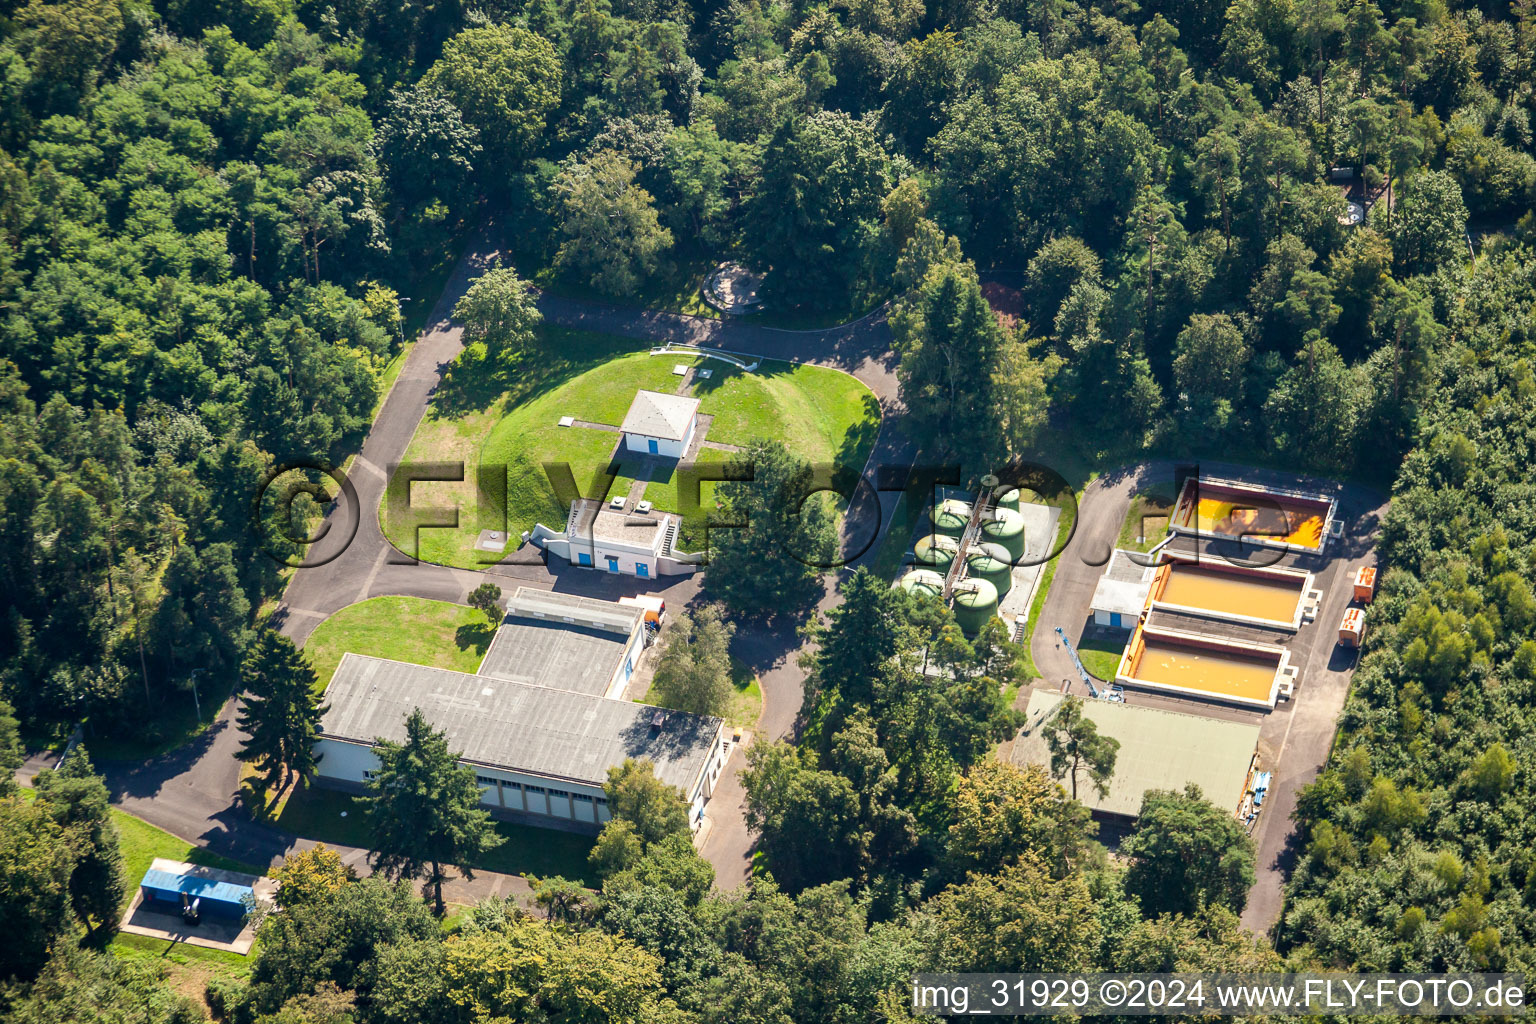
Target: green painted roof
(1158, 750)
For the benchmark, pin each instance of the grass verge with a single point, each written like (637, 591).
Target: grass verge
(409, 629)
(334, 817)
(1146, 522)
(1101, 657)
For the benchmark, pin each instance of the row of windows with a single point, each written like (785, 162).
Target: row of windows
(486, 780)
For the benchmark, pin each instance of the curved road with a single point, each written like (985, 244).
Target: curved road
(194, 792)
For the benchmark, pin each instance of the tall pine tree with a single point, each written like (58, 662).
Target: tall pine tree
(425, 811)
(281, 716)
(771, 561)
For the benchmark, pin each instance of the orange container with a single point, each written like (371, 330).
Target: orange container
(1352, 627)
(1365, 584)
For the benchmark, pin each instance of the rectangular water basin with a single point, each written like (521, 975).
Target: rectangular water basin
(1206, 667)
(1273, 597)
(1272, 517)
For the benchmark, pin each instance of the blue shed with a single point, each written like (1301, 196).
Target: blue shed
(169, 892)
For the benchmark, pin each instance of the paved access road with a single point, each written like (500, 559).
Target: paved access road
(194, 792)
(1297, 736)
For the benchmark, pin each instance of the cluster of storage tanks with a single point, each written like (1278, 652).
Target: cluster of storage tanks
(989, 560)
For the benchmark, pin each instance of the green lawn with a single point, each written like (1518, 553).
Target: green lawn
(332, 817)
(409, 629)
(746, 703)
(1101, 658)
(481, 418)
(1146, 523)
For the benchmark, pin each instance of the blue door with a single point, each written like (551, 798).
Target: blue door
(651, 446)
(613, 564)
(1114, 619)
(583, 558)
(641, 569)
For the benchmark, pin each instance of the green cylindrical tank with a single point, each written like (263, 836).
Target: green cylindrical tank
(937, 550)
(922, 581)
(993, 566)
(975, 603)
(1009, 497)
(1006, 528)
(950, 517)
(992, 548)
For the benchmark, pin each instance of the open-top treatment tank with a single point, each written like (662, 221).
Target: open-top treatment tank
(994, 566)
(1006, 527)
(1273, 597)
(950, 517)
(937, 550)
(1271, 517)
(1204, 667)
(975, 603)
(922, 581)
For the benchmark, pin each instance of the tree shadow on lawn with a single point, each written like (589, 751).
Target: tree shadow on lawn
(722, 372)
(477, 635)
(472, 383)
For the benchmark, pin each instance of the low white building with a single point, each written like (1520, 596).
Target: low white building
(540, 754)
(660, 424)
(1120, 596)
(622, 542)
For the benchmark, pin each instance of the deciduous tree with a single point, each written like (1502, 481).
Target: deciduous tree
(693, 667)
(486, 599)
(505, 80)
(78, 800)
(499, 312)
(613, 237)
(1077, 748)
(1187, 853)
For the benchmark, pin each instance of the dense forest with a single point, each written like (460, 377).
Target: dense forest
(209, 214)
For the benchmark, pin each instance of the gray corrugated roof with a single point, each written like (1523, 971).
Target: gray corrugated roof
(1158, 750)
(558, 654)
(519, 726)
(1123, 568)
(654, 414)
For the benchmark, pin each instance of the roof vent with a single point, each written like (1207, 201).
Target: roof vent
(659, 720)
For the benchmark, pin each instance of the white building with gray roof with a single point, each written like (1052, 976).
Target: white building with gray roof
(1120, 595)
(660, 424)
(540, 754)
(541, 721)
